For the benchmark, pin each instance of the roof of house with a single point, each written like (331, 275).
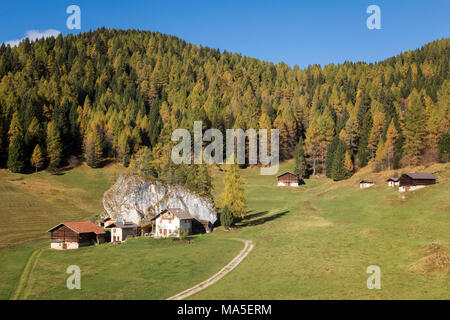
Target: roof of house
(180, 213)
(81, 227)
(393, 179)
(123, 225)
(421, 176)
(366, 181)
(287, 172)
(108, 223)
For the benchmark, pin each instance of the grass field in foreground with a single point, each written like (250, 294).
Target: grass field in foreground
(140, 268)
(314, 242)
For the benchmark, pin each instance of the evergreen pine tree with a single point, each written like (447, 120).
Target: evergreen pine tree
(226, 218)
(301, 168)
(444, 148)
(339, 172)
(330, 156)
(16, 154)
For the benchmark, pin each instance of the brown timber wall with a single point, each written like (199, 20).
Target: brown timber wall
(64, 234)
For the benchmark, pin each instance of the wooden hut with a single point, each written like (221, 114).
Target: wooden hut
(289, 179)
(413, 181)
(73, 235)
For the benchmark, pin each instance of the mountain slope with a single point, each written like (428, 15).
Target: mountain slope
(108, 93)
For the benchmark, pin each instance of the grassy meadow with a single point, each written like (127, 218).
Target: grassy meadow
(140, 268)
(316, 242)
(312, 242)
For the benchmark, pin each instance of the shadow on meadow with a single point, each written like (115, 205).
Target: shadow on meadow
(250, 220)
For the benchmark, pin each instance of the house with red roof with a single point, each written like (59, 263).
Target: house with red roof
(73, 235)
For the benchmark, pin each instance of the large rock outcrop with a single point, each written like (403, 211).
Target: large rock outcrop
(135, 198)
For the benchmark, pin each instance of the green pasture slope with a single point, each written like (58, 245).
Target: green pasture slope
(32, 203)
(316, 242)
(312, 242)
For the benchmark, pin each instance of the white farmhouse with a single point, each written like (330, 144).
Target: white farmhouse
(170, 222)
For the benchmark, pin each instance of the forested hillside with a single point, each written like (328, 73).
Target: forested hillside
(111, 93)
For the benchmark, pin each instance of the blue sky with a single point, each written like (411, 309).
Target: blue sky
(295, 32)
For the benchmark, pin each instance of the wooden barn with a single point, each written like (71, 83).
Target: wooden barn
(413, 181)
(393, 182)
(289, 179)
(73, 235)
(364, 184)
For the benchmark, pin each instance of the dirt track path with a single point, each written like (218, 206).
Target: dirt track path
(219, 275)
(21, 291)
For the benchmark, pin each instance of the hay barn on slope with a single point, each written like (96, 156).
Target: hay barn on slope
(414, 181)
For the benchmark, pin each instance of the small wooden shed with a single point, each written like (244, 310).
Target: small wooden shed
(73, 235)
(289, 179)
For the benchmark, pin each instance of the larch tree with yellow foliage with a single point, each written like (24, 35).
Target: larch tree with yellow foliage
(390, 145)
(37, 158)
(380, 158)
(379, 123)
(348, 163)
(233, 194)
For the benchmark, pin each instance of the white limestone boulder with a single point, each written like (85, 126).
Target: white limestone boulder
(135, 198)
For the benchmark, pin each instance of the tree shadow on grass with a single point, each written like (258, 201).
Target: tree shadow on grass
(248, 216)
(255, 215)
(247, 223)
